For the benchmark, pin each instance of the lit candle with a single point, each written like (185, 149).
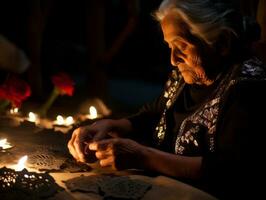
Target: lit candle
(14, 111)
(69, 121)
(92, 113)
(32, 117)
(4, 144)
(59, 120)
(21, 163)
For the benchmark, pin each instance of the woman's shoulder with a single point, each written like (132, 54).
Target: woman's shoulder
(252, 69)
(250, 84)
(246, 78)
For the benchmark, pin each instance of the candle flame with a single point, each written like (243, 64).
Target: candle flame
(14, 110)
(93, 112)
(32, 117)
(69, 120)
(21, 163)
(4, 144)
(60, 120)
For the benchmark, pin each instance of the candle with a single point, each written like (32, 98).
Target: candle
(21, 163)
(92, 113)
(13, 111)
(69, 121)
(60, 120)
(32, 117)
(4, 144)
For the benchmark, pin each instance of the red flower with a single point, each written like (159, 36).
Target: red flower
(15, 90)
(3, 93)
(63, 83)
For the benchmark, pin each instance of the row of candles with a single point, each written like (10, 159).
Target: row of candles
(60, 120)
(33, 117)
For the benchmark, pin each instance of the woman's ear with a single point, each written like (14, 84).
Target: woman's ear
(223, 44)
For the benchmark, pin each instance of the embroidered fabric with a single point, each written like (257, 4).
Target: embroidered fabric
(207, 115)
(173, 87)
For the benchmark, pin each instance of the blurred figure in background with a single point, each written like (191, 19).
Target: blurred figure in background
(23, 23)
(12, 59)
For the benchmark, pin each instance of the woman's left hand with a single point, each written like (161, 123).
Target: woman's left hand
(119, 153)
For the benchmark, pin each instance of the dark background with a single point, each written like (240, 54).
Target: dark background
(113, 49)
(76, 37)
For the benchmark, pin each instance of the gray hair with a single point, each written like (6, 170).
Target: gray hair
(206, 18)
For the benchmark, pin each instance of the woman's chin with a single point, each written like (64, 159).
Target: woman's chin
(188, 79)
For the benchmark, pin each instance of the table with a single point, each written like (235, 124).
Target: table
(162, 188)
(26, 139)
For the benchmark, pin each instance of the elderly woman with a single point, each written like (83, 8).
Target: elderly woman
(205, 127)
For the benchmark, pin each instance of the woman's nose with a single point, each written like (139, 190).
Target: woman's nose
(175, 57)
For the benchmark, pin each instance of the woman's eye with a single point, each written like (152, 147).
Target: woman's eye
(182, 46)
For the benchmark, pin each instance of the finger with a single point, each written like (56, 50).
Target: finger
(107, 162)
(71, 148)
(86, 133)
(103, 154)
(79, 136)
(86, 148)
(101, 145)
(113, 134)
(98, 146)
(99, 136)
(79, 148)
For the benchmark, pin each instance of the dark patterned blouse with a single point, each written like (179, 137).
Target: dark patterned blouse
(220, 122)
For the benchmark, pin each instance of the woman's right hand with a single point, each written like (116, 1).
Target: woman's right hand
(83, 136)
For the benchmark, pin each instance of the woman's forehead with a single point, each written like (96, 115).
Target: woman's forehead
(174, 27)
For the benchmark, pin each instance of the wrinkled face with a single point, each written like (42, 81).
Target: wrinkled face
(192, 56)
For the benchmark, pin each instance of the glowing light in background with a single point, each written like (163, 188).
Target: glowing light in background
(14, 111)
(60, 120)
(92, 113)
(32, 117)
(21, 163)
(4, 144)
(69, 120)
